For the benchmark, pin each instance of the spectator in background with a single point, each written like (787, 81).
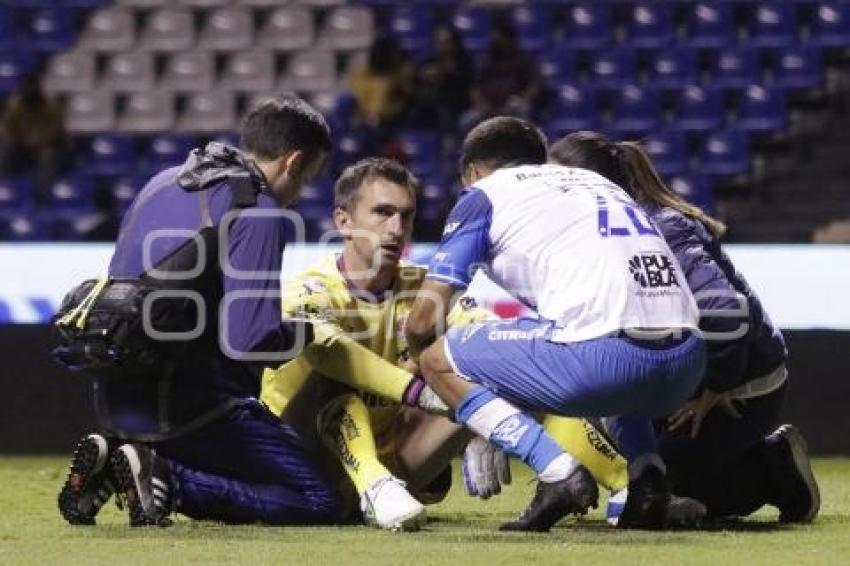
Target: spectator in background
(506, 84)
(382, 86)
(32, 139)
(443, 82)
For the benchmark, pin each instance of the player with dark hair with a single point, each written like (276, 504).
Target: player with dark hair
(728, 459)
(615, 334)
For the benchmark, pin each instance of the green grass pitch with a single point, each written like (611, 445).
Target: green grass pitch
(462, 532)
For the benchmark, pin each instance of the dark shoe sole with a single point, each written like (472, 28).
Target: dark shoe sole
(580, 505)
(90, 458)
(800, 455)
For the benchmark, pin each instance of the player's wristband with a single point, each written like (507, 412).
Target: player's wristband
(413, 391)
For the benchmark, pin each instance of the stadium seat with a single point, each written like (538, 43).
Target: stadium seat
(190, 71)
(831, 24)
(710, 25)
(87, 112)
(348, 28)
(557, 66)
(248, 71)
(209, 112)
(735, 67)
(72, 225)
(532, 26)
(350, 147)
(168, 29)
(575, 108)
(148, 112)
(14, 65)
(8, 28)
(110, 154)
(698, 109)
(167, 150)
(262, 3)
(773, 24)
(588, 25)
(613, 68)
(422, 150)
(762, 109)
(22, 227)
(131, 71)
(50, 29)
(228, 29)
(650, 25)
(725, 153)
(799, 67)
(123, 191)
(203, 3)
(73, 192)
(288, 28)
(16, 192)
(310, 71)
(673, 68)
(413, 26)
(636, 111)
(108, 30)
(475, 26)
(668, 151)
(695, 189)
(143, 3)
(70, 71)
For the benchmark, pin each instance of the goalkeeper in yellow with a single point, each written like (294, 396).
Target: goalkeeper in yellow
(396, 454)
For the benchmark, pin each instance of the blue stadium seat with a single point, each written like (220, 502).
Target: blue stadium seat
(557, 66)
(762, 109)
(8, 30)
(51, 29)
(575, 108)
(735, 67)
(725, 153)
(74, 192)
(668, 151)
(413, 27)
(16, 192)
(799, 67)
(588, 26)
(474, 26)
(14, 65)
(72, 225)
(695, 189)
(636, 111)
(773, 24)
(111, 154)
(698, 109)
(831, 24)
(431, 202)
(650, 25)
(123, 191)
(613, 68)
(167, 150)
(22, 227)
(673, 68)
(349, 147)
(531, 24)
(422, 150)
(710, 25)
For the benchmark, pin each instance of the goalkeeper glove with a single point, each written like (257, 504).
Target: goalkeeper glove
(485, 469)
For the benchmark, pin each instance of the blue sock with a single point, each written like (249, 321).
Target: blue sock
(514, 432)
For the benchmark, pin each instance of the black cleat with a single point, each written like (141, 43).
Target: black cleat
(648, 503)
(142, 485)
(685, 512)
(553, 501)
(799, 497)
(90, 482)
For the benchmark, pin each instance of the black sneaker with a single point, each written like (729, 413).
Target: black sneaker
(90, 482)
(553, 501)
(648, 503)
(799, 497)
(143, 485)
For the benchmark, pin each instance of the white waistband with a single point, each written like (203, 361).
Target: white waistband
(762, 385)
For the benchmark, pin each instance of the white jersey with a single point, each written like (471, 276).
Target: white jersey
(571, 245)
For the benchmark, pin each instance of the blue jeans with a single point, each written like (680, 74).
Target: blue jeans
(603, 377)
(248, 467)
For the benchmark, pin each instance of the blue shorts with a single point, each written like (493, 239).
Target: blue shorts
(595, 378)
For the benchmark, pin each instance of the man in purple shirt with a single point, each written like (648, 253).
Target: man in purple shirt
(212, 230)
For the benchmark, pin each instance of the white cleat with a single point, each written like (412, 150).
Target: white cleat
(388, 505)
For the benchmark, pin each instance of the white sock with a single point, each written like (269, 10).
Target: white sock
(558, 469)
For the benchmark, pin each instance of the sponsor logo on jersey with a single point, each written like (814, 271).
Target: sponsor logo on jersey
(653, 270)
(468, 303)
(450, 227)
(510, 432)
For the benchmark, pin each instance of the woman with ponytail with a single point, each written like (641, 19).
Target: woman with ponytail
(728, 459)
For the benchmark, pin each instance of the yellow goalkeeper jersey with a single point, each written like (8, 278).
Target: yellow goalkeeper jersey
(323, 294)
